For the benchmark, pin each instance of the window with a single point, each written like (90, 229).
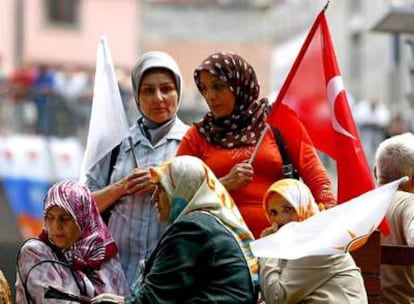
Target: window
(62, 12)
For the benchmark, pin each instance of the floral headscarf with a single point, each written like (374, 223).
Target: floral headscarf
(244, 126)
(192, 186)
(297, 194)
(95, 244)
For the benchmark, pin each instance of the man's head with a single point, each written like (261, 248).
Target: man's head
(394, 158)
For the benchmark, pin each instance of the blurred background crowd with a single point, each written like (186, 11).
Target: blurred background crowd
(52, 100)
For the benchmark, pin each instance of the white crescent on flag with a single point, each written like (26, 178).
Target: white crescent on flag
(340, 229)
(334, 88)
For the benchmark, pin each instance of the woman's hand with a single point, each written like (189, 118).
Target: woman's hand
(269, 230)
(239, 176)
(137, 182)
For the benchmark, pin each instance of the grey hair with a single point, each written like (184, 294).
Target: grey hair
(394, 158)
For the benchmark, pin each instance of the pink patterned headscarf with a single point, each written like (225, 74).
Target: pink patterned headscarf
(244, 126)
(95, 244)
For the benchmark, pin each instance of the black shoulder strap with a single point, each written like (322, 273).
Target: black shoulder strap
(114, 155)
(287, 168)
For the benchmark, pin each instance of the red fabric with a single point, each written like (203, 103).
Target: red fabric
(314, 93)
(21, 80)
(267, 170)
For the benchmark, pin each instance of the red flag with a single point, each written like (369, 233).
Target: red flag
(313, 94)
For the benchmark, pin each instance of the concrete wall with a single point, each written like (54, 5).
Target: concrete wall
(43, 41)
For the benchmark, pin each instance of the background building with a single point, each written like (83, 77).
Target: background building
(267, 32)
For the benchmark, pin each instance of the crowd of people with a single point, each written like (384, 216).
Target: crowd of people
(50, 100)
(184, 202)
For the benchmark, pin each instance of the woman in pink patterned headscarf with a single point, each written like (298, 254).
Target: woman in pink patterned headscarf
(74, 252)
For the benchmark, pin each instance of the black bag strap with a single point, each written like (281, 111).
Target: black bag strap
(114, 155)
(287, 167)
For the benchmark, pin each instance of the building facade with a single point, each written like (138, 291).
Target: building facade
(268, 33)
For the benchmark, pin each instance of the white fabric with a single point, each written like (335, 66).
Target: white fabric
(108, 125)
(337, 230)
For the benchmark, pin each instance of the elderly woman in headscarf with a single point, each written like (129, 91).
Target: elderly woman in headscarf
(313, 279)
(123, 186)
(204, 255)
(226, 138)
(74, 252)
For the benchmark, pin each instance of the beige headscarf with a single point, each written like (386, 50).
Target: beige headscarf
(297, 194)
(192, 186)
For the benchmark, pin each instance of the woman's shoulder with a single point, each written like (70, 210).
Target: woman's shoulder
(196, 222)
(179, 127)
(34, 248)
(192, 131)
(204, 222)
(195, 219)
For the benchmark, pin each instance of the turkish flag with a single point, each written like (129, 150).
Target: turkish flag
(313, 96)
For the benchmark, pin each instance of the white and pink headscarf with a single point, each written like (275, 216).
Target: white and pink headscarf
(89, 267)
(95, 244)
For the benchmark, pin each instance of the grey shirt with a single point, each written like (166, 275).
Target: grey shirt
(133, 222)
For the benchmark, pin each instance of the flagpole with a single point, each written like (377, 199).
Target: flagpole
(253, 156)
(134, 155)
(326, 6)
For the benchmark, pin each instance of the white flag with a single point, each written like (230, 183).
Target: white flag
(108, 125)
(340, 229)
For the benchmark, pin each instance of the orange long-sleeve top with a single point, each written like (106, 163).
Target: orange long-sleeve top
(267, 167)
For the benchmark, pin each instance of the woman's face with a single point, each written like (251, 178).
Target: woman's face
(158, 95)
(279, 210)
(162, 203)
(61, 227)
(217, 94)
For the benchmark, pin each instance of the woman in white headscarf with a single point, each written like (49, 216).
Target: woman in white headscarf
(313, 279)
(121, 187)
(204, 254)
